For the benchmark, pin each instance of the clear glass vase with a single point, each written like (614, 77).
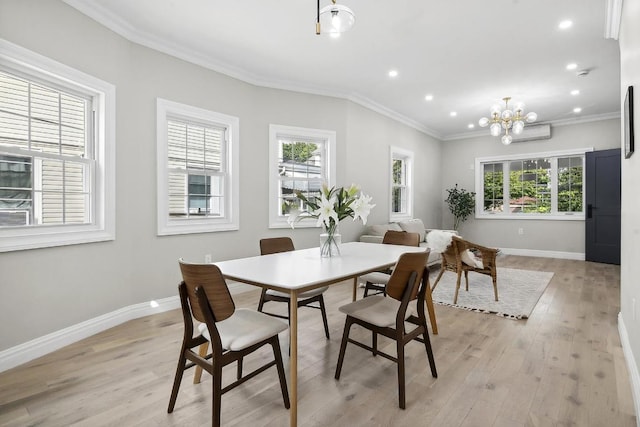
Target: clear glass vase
(330, 242)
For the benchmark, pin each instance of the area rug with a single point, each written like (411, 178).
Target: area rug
(518, 292)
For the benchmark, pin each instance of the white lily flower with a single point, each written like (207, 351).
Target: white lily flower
(362, 207)
(326, 211)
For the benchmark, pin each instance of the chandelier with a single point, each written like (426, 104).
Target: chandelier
(334, 18)
(507, 119)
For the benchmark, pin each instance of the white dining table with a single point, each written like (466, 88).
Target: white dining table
(301, 270)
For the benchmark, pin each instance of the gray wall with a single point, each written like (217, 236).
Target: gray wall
(630, 267)
(458, 158)
(45, 290)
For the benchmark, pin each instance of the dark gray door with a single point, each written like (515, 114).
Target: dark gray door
(603, 206)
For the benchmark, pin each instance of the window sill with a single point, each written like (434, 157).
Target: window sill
(544, 217)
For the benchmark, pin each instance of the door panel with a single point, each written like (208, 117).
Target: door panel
(602, 232)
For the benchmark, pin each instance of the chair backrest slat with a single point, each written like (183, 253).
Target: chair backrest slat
(407, 263)
(401, 238)
(275, 245)
(210, 278)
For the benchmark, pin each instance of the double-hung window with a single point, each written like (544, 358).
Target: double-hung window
(300, 159)
(401, 184)
(535, 186)
(197, 169)
(57, 170)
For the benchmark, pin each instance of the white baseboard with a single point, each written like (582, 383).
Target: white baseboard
(37, 347)
(543, 254)
(631, 366)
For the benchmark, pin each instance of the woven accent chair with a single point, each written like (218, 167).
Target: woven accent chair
(376, 281)
(458, 258)
(305, 299)
(233, 333)
(389, 316)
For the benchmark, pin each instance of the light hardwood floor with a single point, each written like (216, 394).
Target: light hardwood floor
(562, 367)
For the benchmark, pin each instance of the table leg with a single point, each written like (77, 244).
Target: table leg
(293, 360)
(431, 310)
(355, 288)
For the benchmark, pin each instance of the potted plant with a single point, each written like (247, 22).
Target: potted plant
(461, 204)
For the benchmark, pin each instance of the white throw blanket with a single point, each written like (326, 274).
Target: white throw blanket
(439, 240)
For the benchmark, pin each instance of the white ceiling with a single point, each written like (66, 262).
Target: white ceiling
(468, 53)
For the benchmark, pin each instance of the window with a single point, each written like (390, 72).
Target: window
(57, 172)
(401, 184)
(197, 170)
(300, 159)
(545, 185)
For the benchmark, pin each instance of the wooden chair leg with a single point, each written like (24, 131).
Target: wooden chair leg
(202, 351)
(374, 343)
(277, 354)
(432, 311)
(262, 299)
(495, 286)
(427, 345)
(401, 385)
(216, 406)
(177, 380)
(442, 268)
(466, 279)
(239, 373)
(455, 297)
(324, 316)
(343, 345)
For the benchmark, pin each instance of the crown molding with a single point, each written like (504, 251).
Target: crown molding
(121, 27)
(563, 122)
(612, 19)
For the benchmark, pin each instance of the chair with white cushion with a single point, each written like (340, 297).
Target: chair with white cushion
(305, 299)
(389, 315)
(233, 333)
(377, 280)
(464, 256)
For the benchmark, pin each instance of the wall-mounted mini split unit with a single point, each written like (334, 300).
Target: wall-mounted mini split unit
(533, 133)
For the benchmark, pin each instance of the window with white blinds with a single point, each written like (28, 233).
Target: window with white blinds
(300, 159)
(50, 183)
(196, 181)
(56, 155)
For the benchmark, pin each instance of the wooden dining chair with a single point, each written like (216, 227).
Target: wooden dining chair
(377, 280)
(459, 258)
(233, 333)
(388, 315)
(305, 299)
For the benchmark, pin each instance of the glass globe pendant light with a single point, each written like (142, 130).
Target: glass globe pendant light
(334, 19)
(507, 119)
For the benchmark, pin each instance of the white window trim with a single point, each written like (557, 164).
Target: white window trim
(275, 131)
(103, 227)
(408, 157)
(231, 220)
(566, 216)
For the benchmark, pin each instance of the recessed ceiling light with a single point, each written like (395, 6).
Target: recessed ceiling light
(577, 110)
(563, 25)
(429, 97)
(575, 92)
(471, 126)
(393, 73)
(572, 66)
(453, 114)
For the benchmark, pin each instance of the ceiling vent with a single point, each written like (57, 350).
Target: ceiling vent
(533, 133)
